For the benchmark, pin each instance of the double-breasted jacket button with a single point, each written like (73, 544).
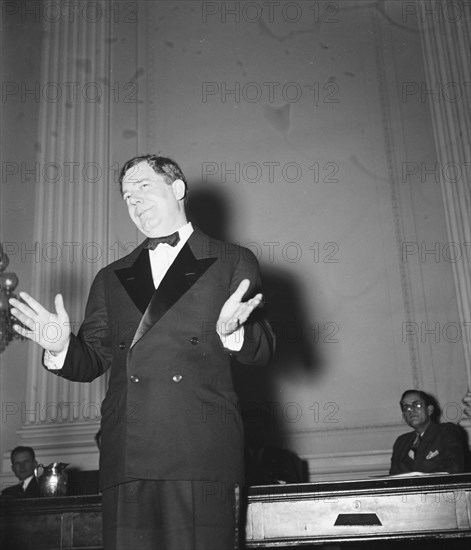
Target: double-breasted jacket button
(177, 377)
(122, 345)
(135, 379)
(194, 340)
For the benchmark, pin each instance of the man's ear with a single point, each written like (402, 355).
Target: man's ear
(179, 189)
(430, 409)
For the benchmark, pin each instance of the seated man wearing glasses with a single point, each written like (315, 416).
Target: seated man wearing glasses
(431, 447)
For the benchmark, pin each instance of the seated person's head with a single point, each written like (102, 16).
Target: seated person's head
(418, 409)
(23, 462)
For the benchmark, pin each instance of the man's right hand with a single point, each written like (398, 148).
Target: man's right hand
(50, 330)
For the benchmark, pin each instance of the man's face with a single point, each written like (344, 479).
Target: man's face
(416, 414)
(23, 465)
(156, 207)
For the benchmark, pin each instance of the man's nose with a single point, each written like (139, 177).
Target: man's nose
(135, 200)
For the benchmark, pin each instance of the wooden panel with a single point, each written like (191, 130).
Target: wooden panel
(427, 506)
(364, 515)
(51, 523)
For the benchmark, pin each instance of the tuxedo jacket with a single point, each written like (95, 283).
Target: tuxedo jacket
(15, 491)
(170, 410)
(441, 450)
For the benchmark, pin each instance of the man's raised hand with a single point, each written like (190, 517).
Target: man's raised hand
(234, 312)
(50, 330)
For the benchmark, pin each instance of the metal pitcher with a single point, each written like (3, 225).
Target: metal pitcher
(52, 479)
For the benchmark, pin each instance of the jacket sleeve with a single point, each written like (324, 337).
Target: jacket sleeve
(395, 467)
(89, 353)
(259, 339)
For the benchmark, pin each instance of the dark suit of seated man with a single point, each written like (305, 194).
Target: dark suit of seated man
(431, 447)
(23, 464)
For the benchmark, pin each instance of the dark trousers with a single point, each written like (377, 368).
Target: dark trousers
(171, 515)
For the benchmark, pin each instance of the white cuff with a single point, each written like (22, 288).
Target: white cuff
(235, 340)
(55, 360)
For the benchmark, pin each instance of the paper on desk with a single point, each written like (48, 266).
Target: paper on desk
(412, 474)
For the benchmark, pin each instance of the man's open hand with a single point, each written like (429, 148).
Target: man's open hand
(234, 312)
(50, 330)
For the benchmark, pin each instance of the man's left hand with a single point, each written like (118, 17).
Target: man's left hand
(234, 312)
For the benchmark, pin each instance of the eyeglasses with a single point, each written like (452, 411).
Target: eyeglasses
(415, 405)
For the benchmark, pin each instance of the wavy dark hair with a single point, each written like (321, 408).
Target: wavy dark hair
(164, 166)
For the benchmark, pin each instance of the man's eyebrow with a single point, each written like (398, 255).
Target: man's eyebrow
(132, 183)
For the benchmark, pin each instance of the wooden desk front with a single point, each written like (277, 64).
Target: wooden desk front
(51, 523)
(277, 515)
(375, 509)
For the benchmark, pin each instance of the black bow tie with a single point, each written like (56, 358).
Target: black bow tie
(172, 240)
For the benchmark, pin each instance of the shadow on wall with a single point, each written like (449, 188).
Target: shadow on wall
(296, 350)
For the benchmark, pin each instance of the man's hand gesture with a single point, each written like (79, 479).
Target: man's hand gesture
(50, 330)
(234, 312)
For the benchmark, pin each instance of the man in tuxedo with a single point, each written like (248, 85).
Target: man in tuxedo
(23, 465)
(430, 447)
(167, 319)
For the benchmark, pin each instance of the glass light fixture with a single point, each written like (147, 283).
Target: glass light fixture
(8, 283)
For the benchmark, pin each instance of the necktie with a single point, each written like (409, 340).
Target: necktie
(172, 240)
(415, 446)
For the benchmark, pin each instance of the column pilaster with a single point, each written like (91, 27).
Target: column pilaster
(446, 44)
(60, 418)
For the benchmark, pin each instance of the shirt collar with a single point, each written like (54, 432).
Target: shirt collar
(27, 481)
(171, 251)
(185, 232)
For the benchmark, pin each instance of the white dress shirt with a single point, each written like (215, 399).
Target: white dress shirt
(26, 482)
(163, 256)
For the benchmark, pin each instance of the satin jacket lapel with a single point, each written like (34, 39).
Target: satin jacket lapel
(181, 276)
(137, 280)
